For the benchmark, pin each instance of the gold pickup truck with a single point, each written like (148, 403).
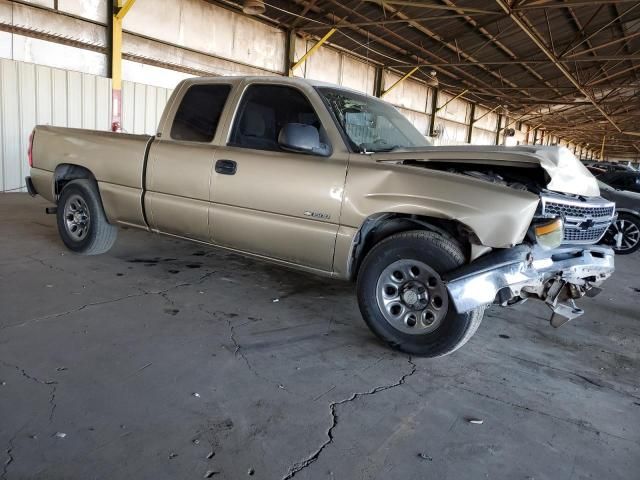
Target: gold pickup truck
(336, 183)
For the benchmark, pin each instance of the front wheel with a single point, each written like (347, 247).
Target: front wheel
(82, 223)
(624, 234)
(404, 300)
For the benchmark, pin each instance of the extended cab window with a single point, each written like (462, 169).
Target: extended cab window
(265, 110)
(199, 113)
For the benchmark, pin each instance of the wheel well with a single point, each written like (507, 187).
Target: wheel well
(378, 227)
(626, 211)
(67, 172)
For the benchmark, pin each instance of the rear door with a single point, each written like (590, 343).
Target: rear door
(180, 165)
(271, 202)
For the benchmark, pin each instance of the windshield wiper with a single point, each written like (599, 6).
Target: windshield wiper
(370, 148)
(387, 149)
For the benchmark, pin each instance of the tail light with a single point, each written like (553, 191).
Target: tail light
(30, 149)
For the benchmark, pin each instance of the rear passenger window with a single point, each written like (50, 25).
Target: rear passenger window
(199, 113)
(264, 110)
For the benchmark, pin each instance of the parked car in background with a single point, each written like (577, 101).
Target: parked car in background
(596, 171)
(610, 166)
(622, 180)
(624, 234)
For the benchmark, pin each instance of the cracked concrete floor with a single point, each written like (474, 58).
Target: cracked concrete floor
(164, 359)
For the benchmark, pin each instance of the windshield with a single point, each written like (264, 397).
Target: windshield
(369, 124)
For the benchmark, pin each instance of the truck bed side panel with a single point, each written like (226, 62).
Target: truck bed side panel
(116, 161)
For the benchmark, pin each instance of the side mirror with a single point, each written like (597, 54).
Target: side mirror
(301, 138)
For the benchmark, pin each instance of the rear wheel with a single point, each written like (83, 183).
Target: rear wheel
(82, 223)
(404, 300)
(624, 234)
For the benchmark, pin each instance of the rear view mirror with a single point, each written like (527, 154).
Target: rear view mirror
(301, 138)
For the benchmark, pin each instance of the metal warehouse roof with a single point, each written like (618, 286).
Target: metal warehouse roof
(570, 67)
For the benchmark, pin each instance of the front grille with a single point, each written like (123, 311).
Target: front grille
(576, 211)
(591, 235)
(585, 221)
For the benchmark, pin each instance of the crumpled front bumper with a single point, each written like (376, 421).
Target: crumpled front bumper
(525, 271)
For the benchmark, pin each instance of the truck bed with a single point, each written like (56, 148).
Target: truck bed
(116, 160)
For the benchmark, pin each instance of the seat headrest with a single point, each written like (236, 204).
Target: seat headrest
(253, 121)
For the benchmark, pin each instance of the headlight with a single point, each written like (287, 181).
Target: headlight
(550, 235)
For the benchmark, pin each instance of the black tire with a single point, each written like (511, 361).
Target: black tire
(97, 235)
(441, 256)
(629, 225)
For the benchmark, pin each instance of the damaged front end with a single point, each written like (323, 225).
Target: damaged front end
(558, 259)
(558, 277)
(559, 263)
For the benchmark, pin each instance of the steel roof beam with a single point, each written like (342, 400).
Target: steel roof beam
(500, 45)
(535, 38)
(437, 38)
(568, 3)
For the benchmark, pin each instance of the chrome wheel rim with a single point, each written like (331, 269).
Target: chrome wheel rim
(77, 218)
(412, 297)
(626, 235)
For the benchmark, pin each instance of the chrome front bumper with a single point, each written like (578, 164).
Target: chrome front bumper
(526, 271)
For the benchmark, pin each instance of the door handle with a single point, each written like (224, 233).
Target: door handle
(226, 167)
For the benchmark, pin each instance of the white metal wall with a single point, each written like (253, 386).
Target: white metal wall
(142, 107)
(35, 94)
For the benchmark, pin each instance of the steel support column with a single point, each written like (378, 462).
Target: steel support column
(378, 82)
(120, 9)
(471, 122)
(289, 51)
(434, 112)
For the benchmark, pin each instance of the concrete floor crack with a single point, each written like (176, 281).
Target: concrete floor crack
(49, 383)
(238, 348)
(57, 269)
(570, 373)
(10, 459)
(75, 310)
(578, 423)
(106, 302)
(24, 373)
(52, 403)
(297, 467)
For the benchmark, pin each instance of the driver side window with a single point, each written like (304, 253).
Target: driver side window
(265, 110)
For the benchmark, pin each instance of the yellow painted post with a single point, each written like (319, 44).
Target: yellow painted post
(602, 149)
(414, 70)
(451, 100)
(312, 50)
(121, 10)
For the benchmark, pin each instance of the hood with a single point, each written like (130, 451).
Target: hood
(567, 173)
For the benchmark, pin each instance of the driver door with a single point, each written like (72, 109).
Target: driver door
(270, 202)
